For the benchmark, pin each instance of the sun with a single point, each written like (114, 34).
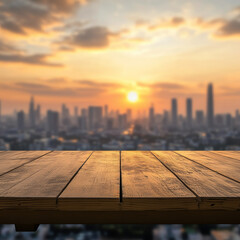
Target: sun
(132, 96)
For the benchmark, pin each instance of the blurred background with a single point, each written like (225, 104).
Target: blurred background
(124, 232)
(120, 75)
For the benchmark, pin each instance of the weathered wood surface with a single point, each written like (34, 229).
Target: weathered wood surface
(12, 159)
(148, 185)
(96, 185)
(38, 184)
(229, 154)
(124, 182)
(213, 190)
(228, 167)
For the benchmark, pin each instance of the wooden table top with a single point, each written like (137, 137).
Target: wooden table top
(119, 181)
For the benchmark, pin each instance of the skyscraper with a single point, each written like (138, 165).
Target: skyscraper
(82, 120)
(189, 112)
(38, 114)
(105, 111)
(32, 113)
(122, 121)
(151, 118)
(21, 121)
(52, 121)
(0, 111)
(174, 113)
(65, 116)
(76, 115)
(95, 115)
(210, 106)
(199, 119)
(129, 115)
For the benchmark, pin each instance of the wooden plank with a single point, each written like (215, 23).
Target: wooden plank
(148, 185)
(119, 217)
(11, 159)
(38, 183)
(214, 190)
(229, 154)
(227, 166)
(96, 186)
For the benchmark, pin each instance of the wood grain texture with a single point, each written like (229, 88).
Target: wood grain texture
(227, 166)
(12, 159)
(38, 183)
(148, 185)
(214, 190)
(96, 185)
(229, 154)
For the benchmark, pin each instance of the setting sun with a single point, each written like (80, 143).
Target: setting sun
(132, 96)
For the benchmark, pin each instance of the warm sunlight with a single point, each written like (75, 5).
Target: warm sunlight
(132, 96)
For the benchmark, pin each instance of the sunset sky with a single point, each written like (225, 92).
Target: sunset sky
(83, 52)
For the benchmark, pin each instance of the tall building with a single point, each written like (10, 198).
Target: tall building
(210, 106)
(82, 120)
(199, 119)
(0, 111)
(165, 119)
(65, 115)
(52, 121)
(229, 120)
(129, 115)
(151, 118)
(105, 111)
(32, 113)
(174, 113)
(122, 121)
(76, 115)
(189, 112)
(21, 121)
(95, 117)
(38, 114)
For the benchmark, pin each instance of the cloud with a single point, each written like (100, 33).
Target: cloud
(23, 15)
(98, 84)
(6, 47)
(57, 80)
(69, 26)
(11, 54)
(92, 37)
(35, 59)
(172, 22)
(220, 27)
(69, 88)
(163, 85)
(223, 27)
(213, 23)
(229, 29)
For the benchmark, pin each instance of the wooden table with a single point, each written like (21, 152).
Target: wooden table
(119, 187)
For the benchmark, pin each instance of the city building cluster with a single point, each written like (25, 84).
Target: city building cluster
(97, 127)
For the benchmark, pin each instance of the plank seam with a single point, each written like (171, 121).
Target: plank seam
(73, 177)
(120, 180)
(207, 167)
(197, 197)
(25, 163)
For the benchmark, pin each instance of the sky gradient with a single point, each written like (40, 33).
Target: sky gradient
(84, 52)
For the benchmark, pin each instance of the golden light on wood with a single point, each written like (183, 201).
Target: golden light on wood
(132, 96)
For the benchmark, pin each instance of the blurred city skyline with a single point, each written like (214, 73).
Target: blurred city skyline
(89, 52)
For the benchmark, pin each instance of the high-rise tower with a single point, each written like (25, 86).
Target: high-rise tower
(32, 116)
(210, 106)
(174, 113)
(151, 118)
(189, 112)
